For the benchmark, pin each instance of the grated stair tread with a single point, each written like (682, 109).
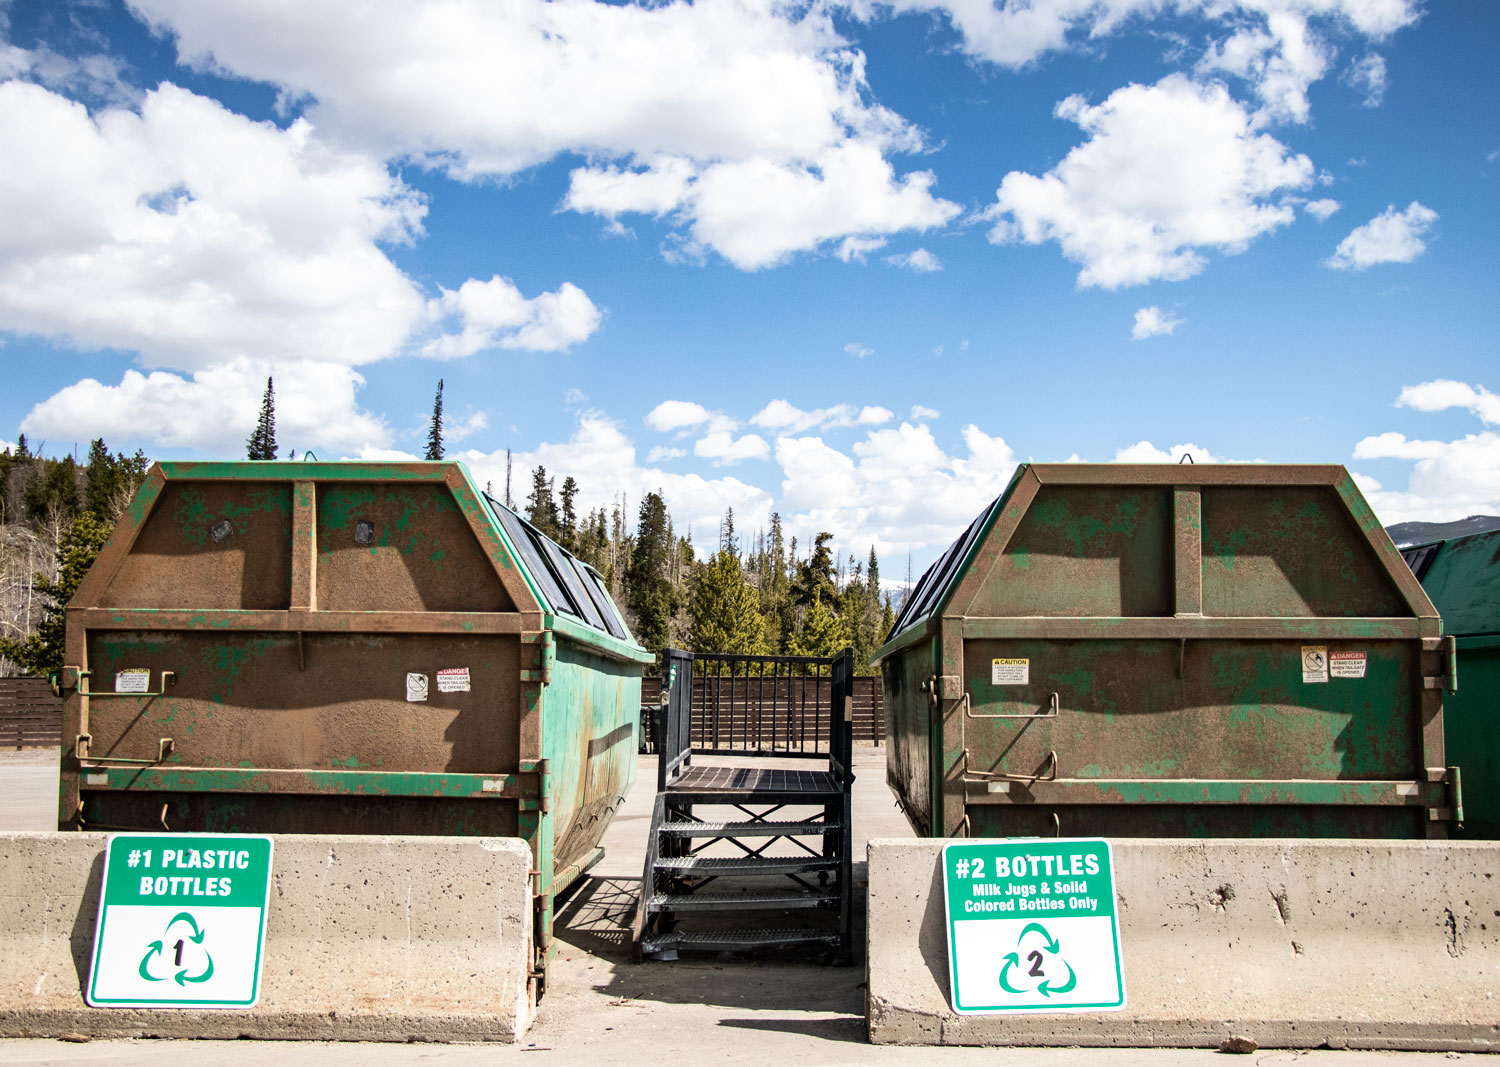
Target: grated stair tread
(777, 898)
(749, 829)
(733, 940)
(716, 865)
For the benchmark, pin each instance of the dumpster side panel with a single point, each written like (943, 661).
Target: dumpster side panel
(400, 547)
(1085, 551)
(1290, 551)
(909, 735)
(1239, 710)
(1472, 720)
(591, 712)
(210, 545)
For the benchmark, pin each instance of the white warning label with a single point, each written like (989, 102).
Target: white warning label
(1346, 664)
(453, 680)
(1010, 672)
(133, 680)
(1314, 663)
(416, 688)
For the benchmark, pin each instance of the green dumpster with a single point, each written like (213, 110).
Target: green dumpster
(334, 648)
(1163, 650)
(1462, 576)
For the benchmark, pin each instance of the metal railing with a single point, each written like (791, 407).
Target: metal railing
(735, 705)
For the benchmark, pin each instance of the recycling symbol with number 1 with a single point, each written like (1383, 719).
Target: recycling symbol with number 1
(178, 955)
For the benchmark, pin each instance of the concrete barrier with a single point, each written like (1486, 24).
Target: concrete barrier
(367, 938)
(1293, 944)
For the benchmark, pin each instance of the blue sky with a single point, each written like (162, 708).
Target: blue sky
(850, 262)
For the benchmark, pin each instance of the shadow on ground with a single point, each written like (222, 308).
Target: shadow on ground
(596, 919)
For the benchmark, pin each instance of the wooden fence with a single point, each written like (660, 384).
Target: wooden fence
(30, 716)
(738, 711)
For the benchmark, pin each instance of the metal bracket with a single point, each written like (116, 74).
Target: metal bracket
(1050, 713)
(1456, 795)
(1048, 774)
(165, 747)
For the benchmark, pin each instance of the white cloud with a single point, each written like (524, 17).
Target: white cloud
(1368, 76)
(1278, 46)
(602, 459)
(748, 122)
(858, 351)
(758, 212)
(1146, 452)
(1442, 394)
(214, 409)
(663, 452)
(1390, 237)
(898, 490)
(1152, 322)
(724, 449)
(1169, 170)
(494, 314)
(684, 415)
(875, 416)
(855, 249)
(1449, 479)
(195, 236)
(456, 430)
(921, 261)
(784, 417)
(920, 412)
(1322, 210)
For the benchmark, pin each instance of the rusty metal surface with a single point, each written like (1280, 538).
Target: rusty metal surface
(1158, 619)
(279, 610)
(210, 545)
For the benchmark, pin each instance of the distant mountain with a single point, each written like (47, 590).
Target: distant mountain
(1416, 533)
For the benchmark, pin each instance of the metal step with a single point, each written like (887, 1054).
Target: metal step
(749, 829)
(725, 865)
(769, 898)
(737, 940)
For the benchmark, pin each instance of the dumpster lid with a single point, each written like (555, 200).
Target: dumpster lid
(568, 585)
(1462, 576)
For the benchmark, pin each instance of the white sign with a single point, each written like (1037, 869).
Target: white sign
(133, 680)
(182, 921)
(1346, 664)
(1032, 926)
(1010, 672)
(453, 680)
(416, 688)
(1314, 663)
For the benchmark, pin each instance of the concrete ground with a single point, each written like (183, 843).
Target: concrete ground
(604, 1009)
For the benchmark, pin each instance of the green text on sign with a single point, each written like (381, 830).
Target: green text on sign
(1032, 926)
(182, 921)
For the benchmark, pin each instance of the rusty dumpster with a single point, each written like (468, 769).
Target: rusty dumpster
(336, 648)
(1161, 650)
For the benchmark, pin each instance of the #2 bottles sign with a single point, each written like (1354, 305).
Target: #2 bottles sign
(182, 921)
(1032, 926)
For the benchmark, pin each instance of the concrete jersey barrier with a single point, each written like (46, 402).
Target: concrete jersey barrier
(1293, 944)
(367, 938)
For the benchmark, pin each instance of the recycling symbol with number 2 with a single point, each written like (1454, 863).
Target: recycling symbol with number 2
(1037, 964)
(179, 955)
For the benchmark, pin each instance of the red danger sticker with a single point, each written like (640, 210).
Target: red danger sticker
(1346, 664)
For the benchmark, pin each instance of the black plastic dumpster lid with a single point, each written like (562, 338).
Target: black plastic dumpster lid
(570, 586)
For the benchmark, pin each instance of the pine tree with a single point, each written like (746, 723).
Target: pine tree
(541, 506)
(723, 609)
(648, 585)
(822, 633)
(42, 651)
(435, 430)
(262, 443)
(568, 526)
(815, 577)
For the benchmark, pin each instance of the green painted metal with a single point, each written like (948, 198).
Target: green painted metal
(1463, 580)
(1124, 650)
(340, 783)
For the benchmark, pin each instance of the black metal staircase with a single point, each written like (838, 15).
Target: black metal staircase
(770, 838)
